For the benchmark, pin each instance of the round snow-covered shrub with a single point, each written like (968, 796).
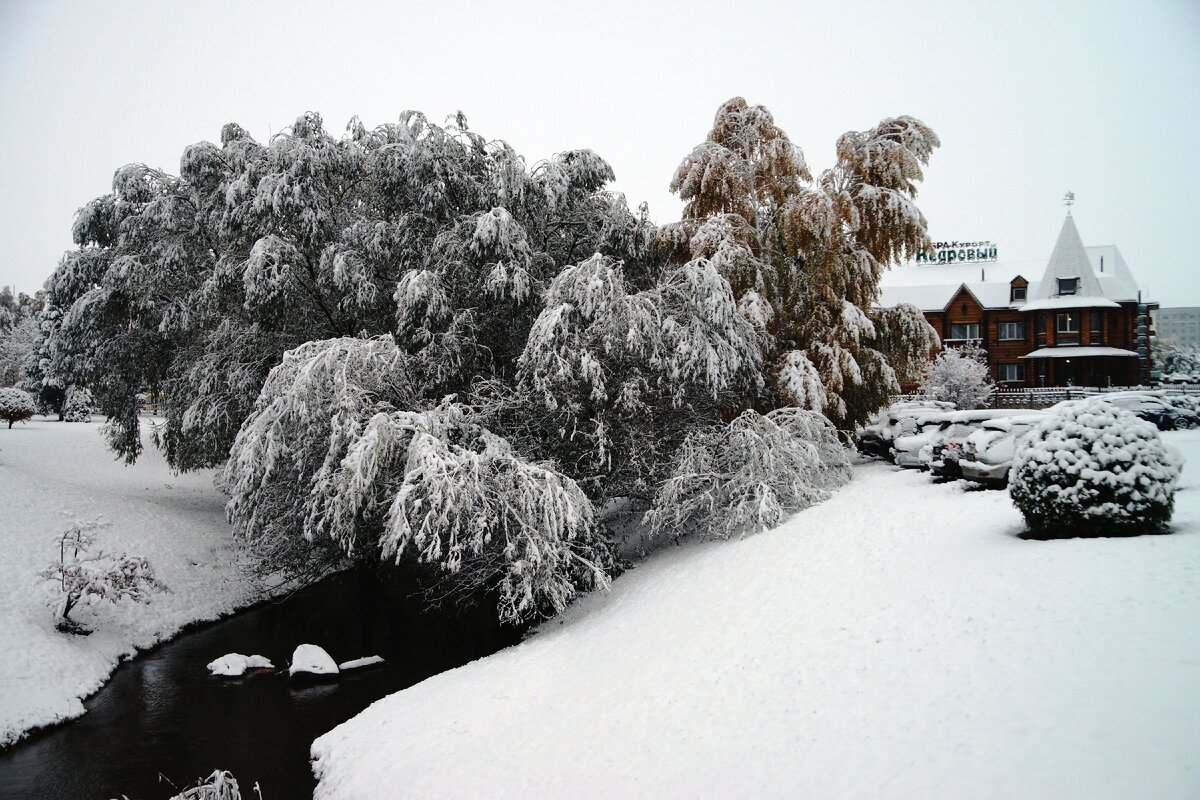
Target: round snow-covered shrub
(16, 405)
(1093, 469)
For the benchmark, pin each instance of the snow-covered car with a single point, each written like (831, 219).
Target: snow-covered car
(899, 419)
(906, 450)
(934, 448)
(943, 457)
(987, 452)
(940, 455)
(1150, 406)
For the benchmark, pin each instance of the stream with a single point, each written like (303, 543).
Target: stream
(162, 722)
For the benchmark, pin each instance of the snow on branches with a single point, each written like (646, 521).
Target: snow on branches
(16, 406)
(810, 249)
(311, 408)
(428, 232)
(598, 339)
(87, 578)
(485, 513)
(749, 475)
(959, 376)
(341, 452)
(1092, 469)
(80, 405)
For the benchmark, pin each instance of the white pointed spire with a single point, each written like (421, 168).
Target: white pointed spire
(1069, 261)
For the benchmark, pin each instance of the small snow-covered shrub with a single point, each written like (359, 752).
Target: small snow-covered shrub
(16, 405)
(80, 405)
(750, 475)
(959, 376)
(86, 579)
(1094, 469)
(221, 785)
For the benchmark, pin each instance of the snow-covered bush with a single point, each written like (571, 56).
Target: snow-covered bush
(220, 785)
(16, 405)
(80, 405)
(85, 578)
(750, 475)
(959, 376)
(1094, 469)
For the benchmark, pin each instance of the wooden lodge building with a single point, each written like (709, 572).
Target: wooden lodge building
(1072, 321)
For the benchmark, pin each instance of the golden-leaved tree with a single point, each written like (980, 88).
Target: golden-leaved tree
(804, 254)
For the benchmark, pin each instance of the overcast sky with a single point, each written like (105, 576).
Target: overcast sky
(1030, 99)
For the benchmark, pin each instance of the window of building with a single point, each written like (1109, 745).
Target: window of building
(969, 330)
(1010, 331)
(1011, 373)
(1068, 323)
(1096, 325)
(1068, 285)
(1017, 293)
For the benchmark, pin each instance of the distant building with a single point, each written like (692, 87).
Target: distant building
(1071, 321)
(1181, 325)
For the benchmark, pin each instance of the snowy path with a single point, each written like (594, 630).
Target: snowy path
(897, 641)
(55, 473)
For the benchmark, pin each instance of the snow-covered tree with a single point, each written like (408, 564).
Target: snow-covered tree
(18, 332)
(16, 405)
(1093, 469)
(195, 285)
(387, 475)
(17, 307)
(80, 405)
(959, 376)
(1175, 359)
(86, 578)
(750, 475)
(804, 255)
(620, 375)
(16, 345)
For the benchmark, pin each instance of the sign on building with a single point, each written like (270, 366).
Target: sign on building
(957, 253)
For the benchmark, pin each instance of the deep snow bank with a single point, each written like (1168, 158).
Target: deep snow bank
(53, 473)
(896, 641)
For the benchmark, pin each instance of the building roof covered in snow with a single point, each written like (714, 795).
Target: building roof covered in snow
(1075, 276)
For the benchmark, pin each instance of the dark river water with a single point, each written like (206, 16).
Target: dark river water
(162, 722)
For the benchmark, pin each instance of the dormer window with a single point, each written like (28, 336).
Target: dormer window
(1068, 285)
(1016, 293)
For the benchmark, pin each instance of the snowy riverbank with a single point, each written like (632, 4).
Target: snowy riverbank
(896, 641)
(54, 474)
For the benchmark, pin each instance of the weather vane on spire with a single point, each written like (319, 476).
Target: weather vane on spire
(1068, 201)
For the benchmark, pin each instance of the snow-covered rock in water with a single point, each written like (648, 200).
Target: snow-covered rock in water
(312, 660)
(359, 663)
(232, 665)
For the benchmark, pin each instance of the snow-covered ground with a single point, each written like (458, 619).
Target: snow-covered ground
(897, 641)
(53, 474)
